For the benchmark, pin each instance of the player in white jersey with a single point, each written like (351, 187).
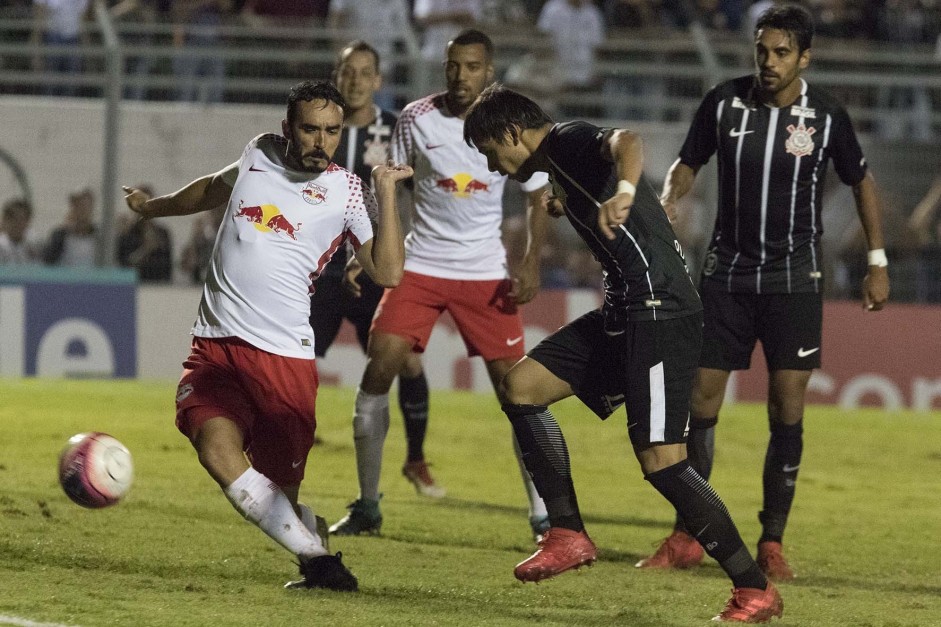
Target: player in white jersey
(249, 384)
(454, 262)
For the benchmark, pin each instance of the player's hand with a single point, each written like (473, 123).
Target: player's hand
(553, 204)
(136, 200)
(875, 288)
(525, 282)
(391, 173)
(613, 213)
(351, 276)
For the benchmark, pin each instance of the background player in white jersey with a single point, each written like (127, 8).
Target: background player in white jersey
(249, 384)
(774, 135)
(455, 262)
(344, 292)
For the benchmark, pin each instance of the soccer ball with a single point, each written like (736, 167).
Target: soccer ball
(95, 470)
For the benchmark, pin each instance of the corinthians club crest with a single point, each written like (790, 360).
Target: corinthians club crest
(800, 143)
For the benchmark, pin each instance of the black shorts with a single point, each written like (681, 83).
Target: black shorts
(330, 304)
(788, 326)
(649, 369)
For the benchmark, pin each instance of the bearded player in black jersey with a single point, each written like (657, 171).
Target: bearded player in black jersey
(774, 134)
(640, 350)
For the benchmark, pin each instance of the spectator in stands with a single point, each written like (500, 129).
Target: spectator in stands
(384, 24)
(261, 13)
(925, 229)
(198, 250)
(59, 23)
(631, 96)
(199, 75)
(577, 29)
(145, 246)
(907, 110)
(146, 13)
(441, 20)
(15, 245)
(74, 242)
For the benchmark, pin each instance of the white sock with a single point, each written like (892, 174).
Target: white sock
(263, 503)
(370, 426)
(310, 521)
(537, 507)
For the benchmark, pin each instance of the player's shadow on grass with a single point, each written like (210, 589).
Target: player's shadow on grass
(590, 519)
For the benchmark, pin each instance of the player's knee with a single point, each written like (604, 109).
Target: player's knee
(517, 389)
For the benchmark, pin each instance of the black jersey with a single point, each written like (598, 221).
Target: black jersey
(360, 149)
(645, 275)
(772, 164)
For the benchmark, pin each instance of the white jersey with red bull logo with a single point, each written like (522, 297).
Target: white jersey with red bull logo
(458, 205)
(280, 228)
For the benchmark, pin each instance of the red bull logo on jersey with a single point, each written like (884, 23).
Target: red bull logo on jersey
(800, 143)
(462, 184)
(268, 219)
(314, 194)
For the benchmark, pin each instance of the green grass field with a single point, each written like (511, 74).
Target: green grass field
(863, 537)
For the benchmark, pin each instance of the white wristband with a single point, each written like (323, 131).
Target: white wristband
(626, 187)
(877, 258)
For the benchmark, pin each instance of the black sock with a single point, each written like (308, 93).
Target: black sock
(700, 451)
(546, 458)
(709, 522)
(413, 401)
(780, 478)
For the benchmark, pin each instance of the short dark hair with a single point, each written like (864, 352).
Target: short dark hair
(313, 90)
(357, 45)
(472, 36)
(792, 19)
(19, 203)
(497, 110)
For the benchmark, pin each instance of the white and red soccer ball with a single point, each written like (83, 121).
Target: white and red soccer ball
(95, 470)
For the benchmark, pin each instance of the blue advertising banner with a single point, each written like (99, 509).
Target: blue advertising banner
(77, 327)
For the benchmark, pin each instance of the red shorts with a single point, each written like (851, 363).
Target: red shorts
(271, 398)
(488, 321)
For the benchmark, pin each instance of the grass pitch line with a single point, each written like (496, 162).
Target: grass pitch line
(19, 621)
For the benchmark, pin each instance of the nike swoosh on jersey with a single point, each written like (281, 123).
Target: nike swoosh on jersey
(789, 468)
(734, 133)
(804, 353)
(433, 146)
(514, 341)
(254, 169)
(297, 463)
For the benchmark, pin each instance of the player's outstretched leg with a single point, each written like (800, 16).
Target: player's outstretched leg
(565, 545)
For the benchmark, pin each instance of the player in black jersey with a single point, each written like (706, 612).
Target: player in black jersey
(762, 277)
(347, 292)
(639, 350)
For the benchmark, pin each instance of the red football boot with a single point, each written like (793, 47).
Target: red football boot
(678, 550)
(752, 605)
(771, 561)
(559, 550)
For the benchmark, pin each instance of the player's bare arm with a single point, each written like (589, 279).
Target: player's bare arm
(203, 194)
(626, 149)
(526, 280)
(679, 181)
(383, 256)
(869, 208)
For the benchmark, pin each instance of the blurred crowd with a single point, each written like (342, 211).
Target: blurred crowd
(574, 28)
